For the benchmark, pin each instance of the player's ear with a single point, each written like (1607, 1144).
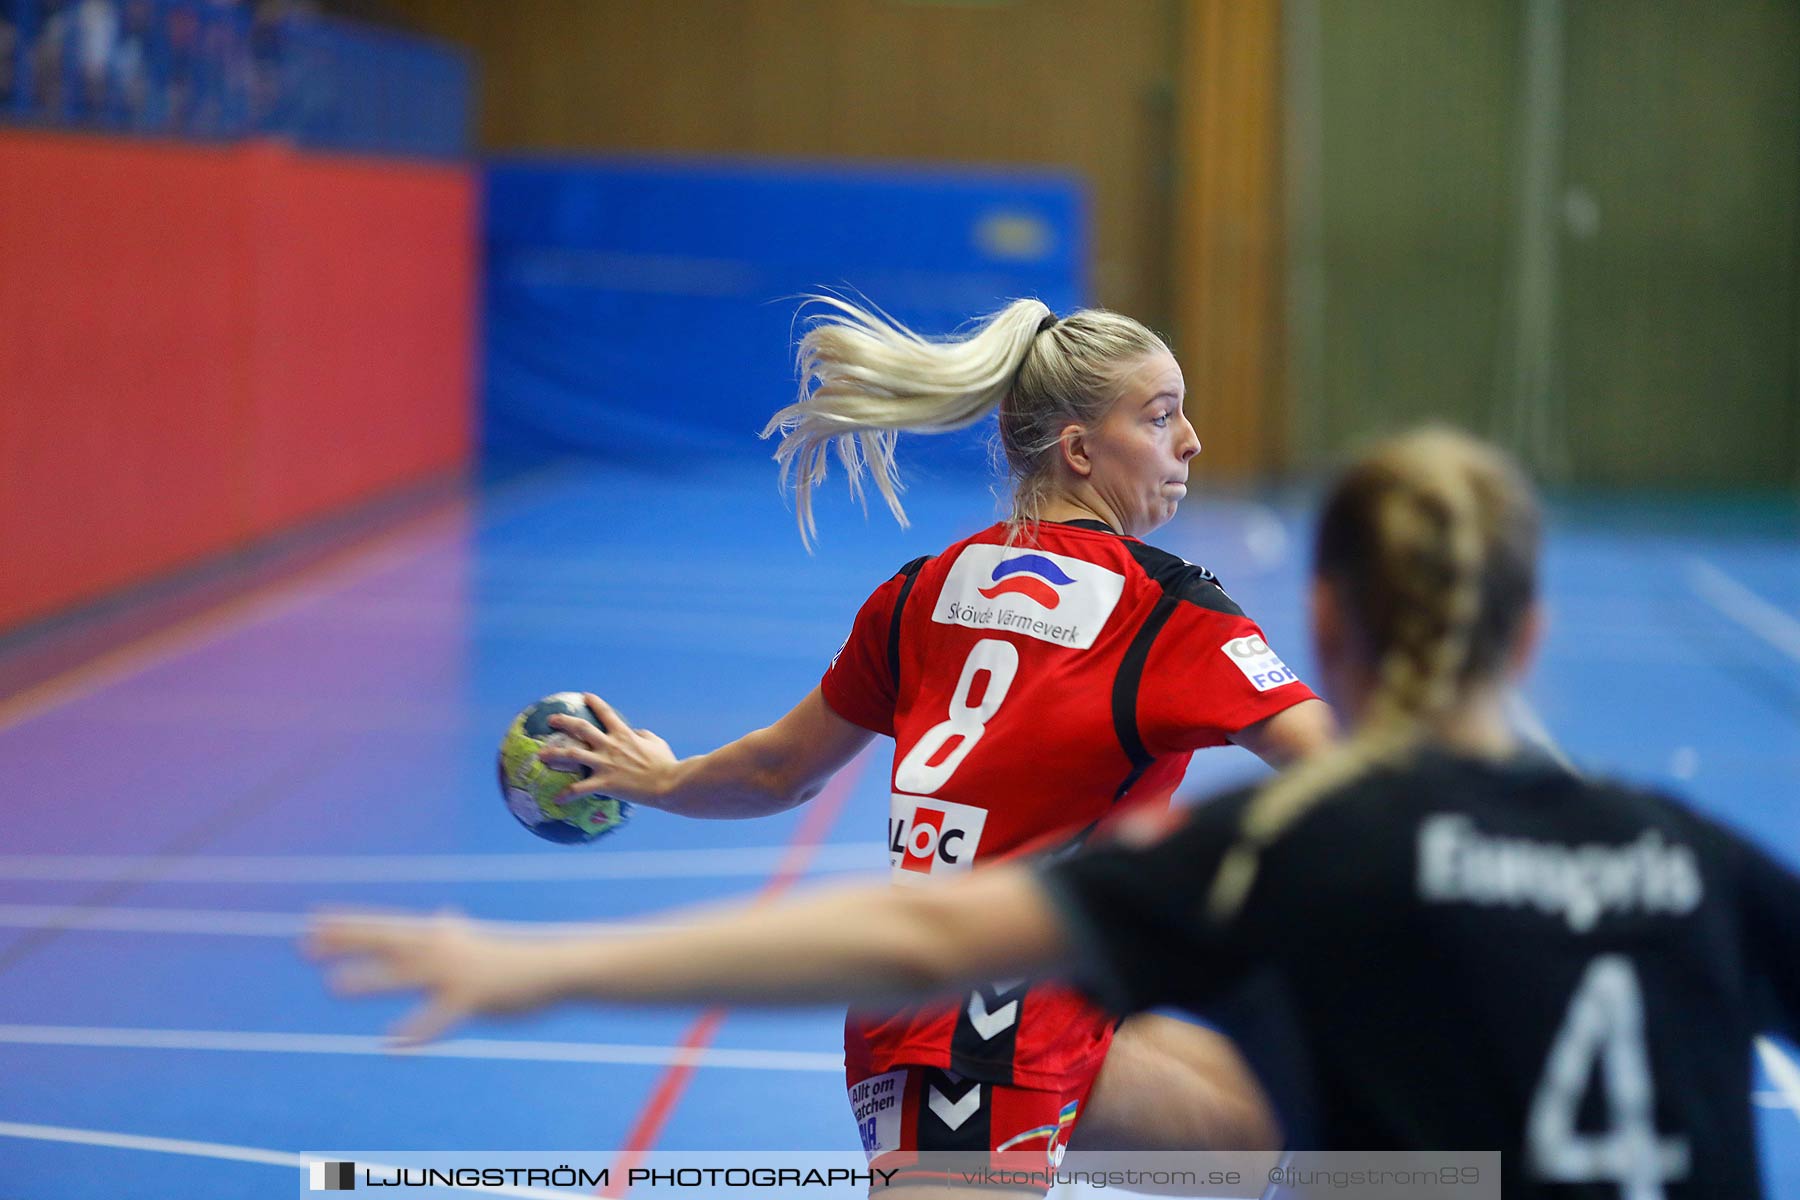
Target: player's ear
(1339, 649)
(1327, 621)
(1073, 444)
(1523, 652)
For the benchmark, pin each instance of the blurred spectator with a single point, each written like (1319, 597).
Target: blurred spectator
(270, 65)
(213, 58)
(228, 68)
(131, 64)
(47, 51)
(266, 28)
(181, 48)
(96, 29)
(9, 49)
(231, 43)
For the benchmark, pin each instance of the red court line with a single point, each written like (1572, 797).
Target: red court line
(647, 1129)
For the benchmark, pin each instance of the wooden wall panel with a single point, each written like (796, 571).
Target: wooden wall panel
(1065, 83)
(1228, 232)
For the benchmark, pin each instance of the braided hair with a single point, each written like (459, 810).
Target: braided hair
(1431, 543)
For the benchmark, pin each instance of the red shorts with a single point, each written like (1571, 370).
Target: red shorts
(908, 1115)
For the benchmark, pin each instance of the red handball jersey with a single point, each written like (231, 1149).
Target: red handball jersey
(1034, 692)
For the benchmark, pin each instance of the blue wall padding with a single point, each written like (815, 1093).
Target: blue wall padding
(645, 310)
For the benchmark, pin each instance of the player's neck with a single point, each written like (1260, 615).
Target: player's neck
(1068, 507)
(1478, 726)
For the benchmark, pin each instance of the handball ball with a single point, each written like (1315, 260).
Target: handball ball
(530, 786)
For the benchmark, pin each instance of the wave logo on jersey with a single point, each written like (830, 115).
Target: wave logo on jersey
(1055, 1136)
(932, 837)
(1030, 575)
(1054, 598)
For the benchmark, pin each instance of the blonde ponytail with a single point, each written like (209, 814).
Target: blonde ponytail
(865, 377)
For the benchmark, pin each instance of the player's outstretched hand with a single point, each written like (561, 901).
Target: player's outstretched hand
(626, 763)
(461, 971)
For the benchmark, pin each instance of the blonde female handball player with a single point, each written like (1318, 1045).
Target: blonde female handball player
(1424, 939)
(1039, 678)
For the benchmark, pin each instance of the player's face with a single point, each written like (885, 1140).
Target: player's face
(1139, 451)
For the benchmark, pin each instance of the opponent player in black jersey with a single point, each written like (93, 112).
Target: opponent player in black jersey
(1426, 939)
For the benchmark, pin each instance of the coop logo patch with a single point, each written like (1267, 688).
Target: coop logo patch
(1260, 665)
(932, 837)
(1051, 597)
(1030, 575)
(333, 1176)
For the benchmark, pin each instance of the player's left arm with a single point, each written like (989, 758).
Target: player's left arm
(872, 943)
(1291, 734)
(1218, 680)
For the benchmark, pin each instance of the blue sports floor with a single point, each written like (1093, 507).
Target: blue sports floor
(175, 806)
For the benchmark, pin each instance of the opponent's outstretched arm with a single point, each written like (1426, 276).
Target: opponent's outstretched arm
(872, 943)
(765, 771)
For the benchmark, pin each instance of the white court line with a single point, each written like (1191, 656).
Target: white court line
(152, 920)
(1783, 1073)
(1744, 606)
(223, 923)
(433, 868)
(229, 1153)
(491, 1049)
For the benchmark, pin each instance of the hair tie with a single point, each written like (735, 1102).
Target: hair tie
(1049, 320)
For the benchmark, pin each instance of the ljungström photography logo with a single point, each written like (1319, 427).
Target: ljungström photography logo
(333, 1177)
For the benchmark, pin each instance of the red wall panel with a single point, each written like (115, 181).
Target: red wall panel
(363, 332)
(201, 346)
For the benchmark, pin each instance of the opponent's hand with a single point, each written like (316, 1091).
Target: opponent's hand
(461, 971)
(631, 764)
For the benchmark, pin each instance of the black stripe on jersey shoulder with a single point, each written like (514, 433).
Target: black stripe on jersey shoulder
(911, 572)
(1182, 579)
(1182, 583)
(1125, 690)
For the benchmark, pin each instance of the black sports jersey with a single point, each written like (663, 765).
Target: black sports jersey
(1467, 955)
